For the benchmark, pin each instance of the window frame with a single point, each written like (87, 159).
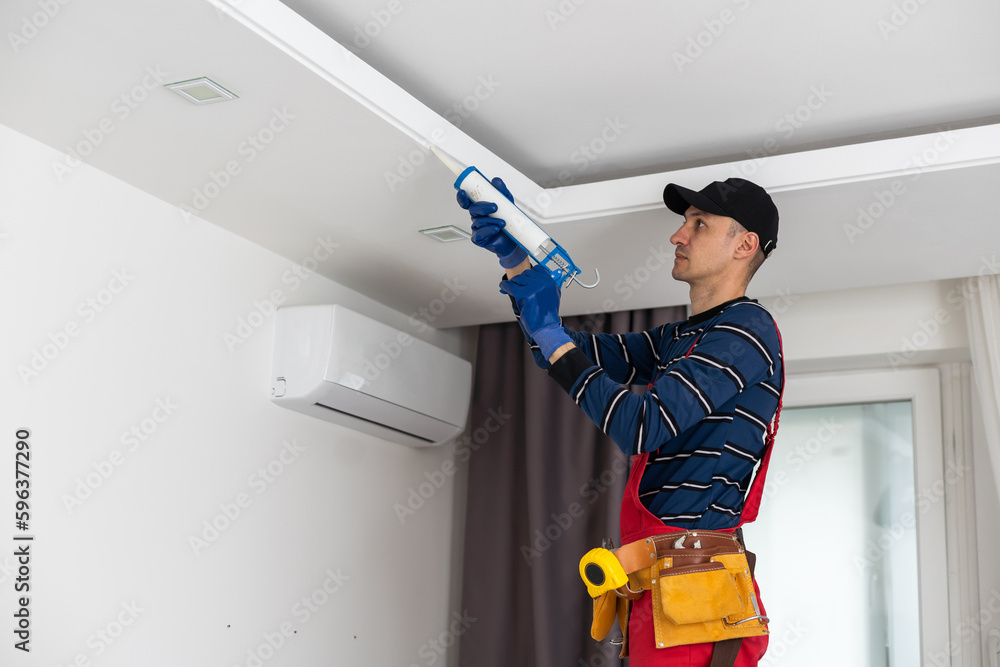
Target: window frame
(921, 386)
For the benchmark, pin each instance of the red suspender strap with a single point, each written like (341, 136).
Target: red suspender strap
(752, 503)
(638, 523)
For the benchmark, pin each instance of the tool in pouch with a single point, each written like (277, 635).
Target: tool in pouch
(522, 229)
(602, 572)
(701, 581)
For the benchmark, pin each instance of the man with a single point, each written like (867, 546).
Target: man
(714, 385)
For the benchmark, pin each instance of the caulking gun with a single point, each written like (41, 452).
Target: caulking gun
(525, 232)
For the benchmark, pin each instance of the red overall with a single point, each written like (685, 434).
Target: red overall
(638, 523)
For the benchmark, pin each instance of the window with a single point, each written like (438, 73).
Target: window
(851, 538)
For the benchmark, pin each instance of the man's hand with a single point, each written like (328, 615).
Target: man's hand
(537, 297)
(487, 232)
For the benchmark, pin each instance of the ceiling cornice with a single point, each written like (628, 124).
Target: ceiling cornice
(869, 161)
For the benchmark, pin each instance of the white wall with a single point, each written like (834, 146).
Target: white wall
(892, 327)
(159, 339)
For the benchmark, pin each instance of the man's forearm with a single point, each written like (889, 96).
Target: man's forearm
(519, 269)
(560, 351)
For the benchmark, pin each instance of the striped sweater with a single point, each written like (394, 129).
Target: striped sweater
(703, 419)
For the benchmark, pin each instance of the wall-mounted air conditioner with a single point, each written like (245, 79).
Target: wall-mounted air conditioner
(332, 363)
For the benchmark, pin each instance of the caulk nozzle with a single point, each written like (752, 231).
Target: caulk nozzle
(456, 167)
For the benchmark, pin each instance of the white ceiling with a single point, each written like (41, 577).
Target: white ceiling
(348, 116)
(562, 73)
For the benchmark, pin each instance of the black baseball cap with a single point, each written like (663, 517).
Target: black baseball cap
(746, 202)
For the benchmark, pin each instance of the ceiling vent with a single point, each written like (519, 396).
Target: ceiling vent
(201, 91)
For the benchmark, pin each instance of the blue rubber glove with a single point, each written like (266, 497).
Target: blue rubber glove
(537, 297)
(487, 232)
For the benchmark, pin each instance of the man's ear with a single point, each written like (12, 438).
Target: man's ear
(748, 246)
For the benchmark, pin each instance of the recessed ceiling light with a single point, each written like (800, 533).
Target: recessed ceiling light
(201, 91)
(447, 234)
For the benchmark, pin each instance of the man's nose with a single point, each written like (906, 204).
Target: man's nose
(679, 237)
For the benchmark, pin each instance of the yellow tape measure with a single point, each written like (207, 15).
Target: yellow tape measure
(602, 572)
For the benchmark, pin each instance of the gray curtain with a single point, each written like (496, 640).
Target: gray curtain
(543, 489)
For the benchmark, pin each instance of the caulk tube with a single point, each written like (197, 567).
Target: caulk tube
(525, 232)
(519, 226)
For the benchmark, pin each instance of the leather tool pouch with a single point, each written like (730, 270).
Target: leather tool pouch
(605, 613)
(698, 593)
(703, 594)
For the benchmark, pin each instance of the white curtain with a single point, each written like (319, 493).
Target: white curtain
(983, 316)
